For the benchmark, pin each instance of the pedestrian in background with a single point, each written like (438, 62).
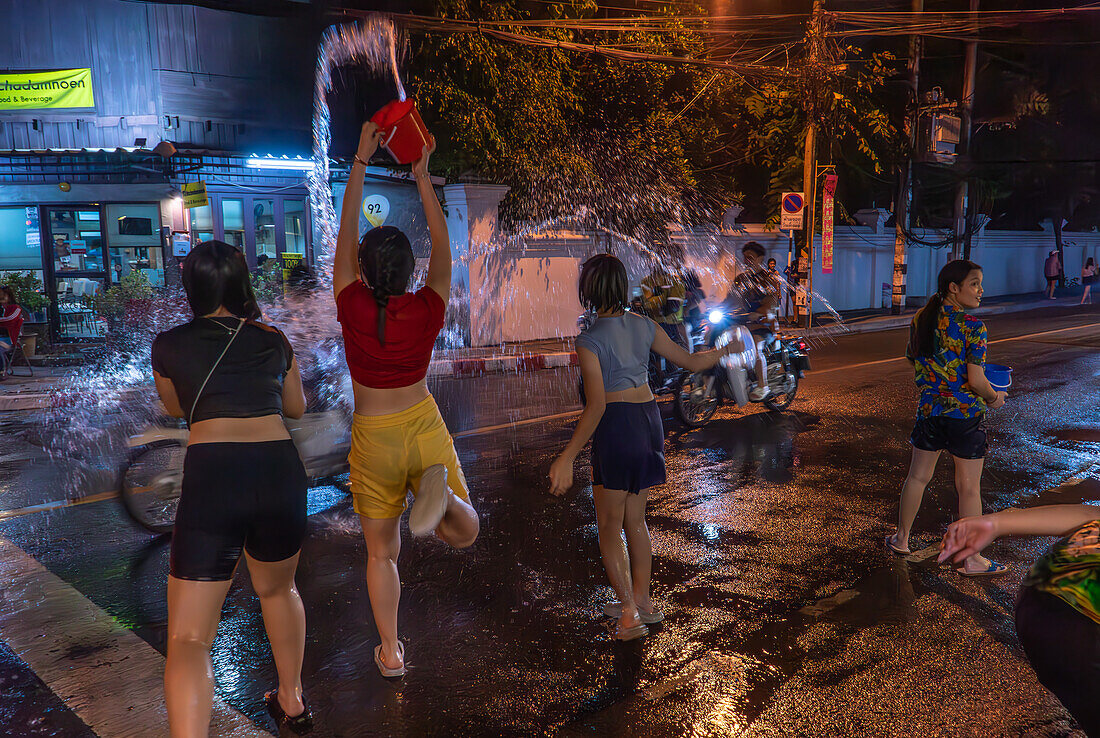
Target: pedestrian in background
(1058, 607)
(1088, 279)
(1052, 268)
(399, 441)
(244, 487)
(621, 417)
(947, 348)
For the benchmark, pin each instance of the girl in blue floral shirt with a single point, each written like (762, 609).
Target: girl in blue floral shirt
(947, 348)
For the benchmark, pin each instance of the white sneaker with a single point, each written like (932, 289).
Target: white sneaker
(759, 393)
(431, 501)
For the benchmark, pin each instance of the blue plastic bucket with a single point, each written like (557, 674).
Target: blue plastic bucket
(999, 376)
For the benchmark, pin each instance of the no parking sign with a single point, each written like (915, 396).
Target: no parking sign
(790, 211)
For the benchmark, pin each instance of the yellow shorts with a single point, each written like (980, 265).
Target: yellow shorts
(389, 454)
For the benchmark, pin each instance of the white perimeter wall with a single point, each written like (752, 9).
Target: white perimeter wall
(529, 291)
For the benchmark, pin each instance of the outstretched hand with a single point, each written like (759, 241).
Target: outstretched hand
(420, 168)
(561, 476)
(967, 537)
(369, 138)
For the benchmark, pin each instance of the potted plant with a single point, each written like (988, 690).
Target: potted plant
(29, 342)
(30, 292)
(127, 301)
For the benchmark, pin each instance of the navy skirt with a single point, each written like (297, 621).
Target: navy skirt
(628, 447)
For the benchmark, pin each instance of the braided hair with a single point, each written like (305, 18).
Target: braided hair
(386, 262)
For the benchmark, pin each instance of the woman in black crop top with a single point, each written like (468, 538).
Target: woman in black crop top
(244, 486)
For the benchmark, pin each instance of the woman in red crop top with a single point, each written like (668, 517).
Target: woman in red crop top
(399, 441)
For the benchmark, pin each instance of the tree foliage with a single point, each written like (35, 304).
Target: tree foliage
(634, 144)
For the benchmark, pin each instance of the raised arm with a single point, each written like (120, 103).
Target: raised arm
(439, 263)
(345, 267)
(970, 535)
(696, 362)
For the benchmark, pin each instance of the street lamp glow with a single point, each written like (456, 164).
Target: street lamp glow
(297, 164)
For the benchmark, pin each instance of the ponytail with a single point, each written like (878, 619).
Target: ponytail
(386, 261)
(922, 333)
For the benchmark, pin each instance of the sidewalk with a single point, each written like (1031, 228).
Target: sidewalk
(47, 387)
(870, 321)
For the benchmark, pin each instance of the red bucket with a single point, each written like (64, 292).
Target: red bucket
(403, 132)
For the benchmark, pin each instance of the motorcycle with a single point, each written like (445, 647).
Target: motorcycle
(151, 477)
(700, 394)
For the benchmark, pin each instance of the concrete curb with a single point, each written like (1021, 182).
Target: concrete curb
(473, 367)
(49, 400)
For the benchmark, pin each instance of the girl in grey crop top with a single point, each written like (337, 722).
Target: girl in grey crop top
(622, 344)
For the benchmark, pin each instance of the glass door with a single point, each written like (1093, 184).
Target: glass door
(76, 240)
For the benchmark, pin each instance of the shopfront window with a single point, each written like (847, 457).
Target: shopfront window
(263, 212)
(78, 319)
(202, 223)
(233, 222)
(77, 240)
(133, 242)
(21, 259)
(294, 222)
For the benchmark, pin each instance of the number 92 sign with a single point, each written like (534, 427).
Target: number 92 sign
(376, 209)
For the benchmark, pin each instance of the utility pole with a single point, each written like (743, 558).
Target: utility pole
(961, 246)
(905, 172)
(815, 36)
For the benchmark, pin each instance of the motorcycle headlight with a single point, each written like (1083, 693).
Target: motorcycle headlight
(715, 316)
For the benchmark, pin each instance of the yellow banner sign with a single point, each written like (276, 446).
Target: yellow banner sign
(194, 194)
(61, 88)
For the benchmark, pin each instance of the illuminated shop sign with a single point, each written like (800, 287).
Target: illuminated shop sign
(61, 88)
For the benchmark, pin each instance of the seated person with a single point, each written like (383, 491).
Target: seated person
(11, 322)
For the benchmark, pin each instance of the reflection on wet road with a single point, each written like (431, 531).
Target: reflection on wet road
(785, 615)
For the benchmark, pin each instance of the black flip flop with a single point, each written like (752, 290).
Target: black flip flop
(299, 725)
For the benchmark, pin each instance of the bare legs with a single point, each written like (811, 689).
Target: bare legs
(968, 475)
(383, 584)
(968, 484)
(921, 468)
(1086, 297)
(194, 609)
(459, 528)
(285, 623)
(616, 511)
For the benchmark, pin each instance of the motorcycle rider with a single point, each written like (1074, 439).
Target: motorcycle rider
(663, 295)
(752, 299)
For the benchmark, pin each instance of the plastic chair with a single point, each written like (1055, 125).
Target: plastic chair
(10, 356)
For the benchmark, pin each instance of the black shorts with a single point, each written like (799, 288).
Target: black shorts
(238, 496)
(1051, 279)
(964, 439)
(628, 447)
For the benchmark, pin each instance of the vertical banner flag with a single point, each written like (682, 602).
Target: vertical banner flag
(827, 224)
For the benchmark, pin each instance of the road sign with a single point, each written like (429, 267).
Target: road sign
(790, 212)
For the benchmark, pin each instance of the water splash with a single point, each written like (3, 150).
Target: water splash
(372, 41)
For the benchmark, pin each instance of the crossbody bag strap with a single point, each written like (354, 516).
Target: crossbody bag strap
(211, 372)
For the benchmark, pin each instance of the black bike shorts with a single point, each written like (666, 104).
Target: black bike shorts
(962, 438)
(238, 496)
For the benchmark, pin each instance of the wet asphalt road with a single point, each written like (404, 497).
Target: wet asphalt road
(785, 615)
